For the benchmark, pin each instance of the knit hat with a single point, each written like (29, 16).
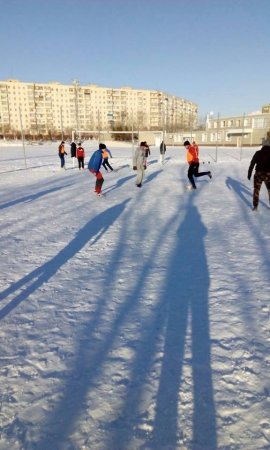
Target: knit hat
(186, 143)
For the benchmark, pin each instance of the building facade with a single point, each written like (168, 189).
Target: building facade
(48, 108)
(235, 131)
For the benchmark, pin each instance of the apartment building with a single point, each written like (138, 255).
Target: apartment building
(48, 108)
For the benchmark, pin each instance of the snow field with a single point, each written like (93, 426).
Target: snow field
(135, 321)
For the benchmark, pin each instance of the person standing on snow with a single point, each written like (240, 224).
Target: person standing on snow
(194, 163)
(94, 167)
(106, 153)
(162, 149)
(80, 154)
(62, 153)
(139, 164)
(147, 152)
(262, 173)
(73, 149)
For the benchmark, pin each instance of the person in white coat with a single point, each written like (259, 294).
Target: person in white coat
(139, 164)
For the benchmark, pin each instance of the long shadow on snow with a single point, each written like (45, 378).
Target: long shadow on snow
(32, 197)
(31, 282)
(152, 176)
(242, 191)
(118, 184)
(185, 295)
(91, 354)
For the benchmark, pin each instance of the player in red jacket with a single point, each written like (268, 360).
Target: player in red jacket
(80, 155)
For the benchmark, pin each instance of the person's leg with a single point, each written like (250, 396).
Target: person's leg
(104, 163)
(140, 176)
(83, 163)
(200, 174)
(99, 182)
(257, 182)
(190, 175)
(108, 165)
(267, 184)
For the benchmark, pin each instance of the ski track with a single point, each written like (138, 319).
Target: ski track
(137, 321)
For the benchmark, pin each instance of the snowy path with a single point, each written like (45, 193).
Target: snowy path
(135, 321)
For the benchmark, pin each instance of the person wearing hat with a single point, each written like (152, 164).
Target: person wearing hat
(194, 163)
(106, 153)
(80, 154)
(94, 167)
(139, 164)
(62, 153)
(73, 148)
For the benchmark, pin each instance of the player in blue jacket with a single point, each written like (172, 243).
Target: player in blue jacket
(94, 167)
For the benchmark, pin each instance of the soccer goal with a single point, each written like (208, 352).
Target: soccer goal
(132, 136)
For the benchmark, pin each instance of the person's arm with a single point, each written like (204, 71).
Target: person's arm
(109, 151)
(251, 166)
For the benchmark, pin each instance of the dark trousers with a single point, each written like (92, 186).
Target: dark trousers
(106, 164)
(81, 162)
(62, 159)
(259, 178)
(193, 171)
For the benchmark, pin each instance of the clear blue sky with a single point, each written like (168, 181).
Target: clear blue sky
(213, 52)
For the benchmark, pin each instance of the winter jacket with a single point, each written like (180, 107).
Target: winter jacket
(139, 158)
(192, 155)
(262, 161)
(73, 150)
(147, 151)
(106, 153)
(162, 148)
(80, 152)
(95, 161)
(61, 150)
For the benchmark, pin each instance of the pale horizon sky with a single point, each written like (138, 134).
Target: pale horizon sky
(212, 52)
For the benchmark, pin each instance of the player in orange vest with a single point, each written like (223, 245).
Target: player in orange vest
(105, 155)
(194, 163)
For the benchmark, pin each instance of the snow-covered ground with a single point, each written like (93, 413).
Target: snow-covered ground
(135, 321)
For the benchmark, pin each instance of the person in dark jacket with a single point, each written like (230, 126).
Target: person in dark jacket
(147, 153)
(94, 167)
(73, 149)
(162, 149)
(262, 173)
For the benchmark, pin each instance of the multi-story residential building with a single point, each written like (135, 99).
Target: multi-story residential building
(48, 108)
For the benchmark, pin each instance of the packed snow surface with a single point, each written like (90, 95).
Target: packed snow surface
(138, 320)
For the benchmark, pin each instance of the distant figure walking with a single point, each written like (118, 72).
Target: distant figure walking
(94, 167)
(106, 153)
(73, 149)
(194, 163)
(80, 156)
(62, 153)
(162, 149)
(262, 173)
(139, 164)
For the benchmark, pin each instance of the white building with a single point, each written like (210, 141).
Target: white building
(48, 108)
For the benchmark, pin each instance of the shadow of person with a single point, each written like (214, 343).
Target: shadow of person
(31, 282)
(186, 295)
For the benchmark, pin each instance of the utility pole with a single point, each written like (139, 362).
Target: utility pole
(22, 134)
